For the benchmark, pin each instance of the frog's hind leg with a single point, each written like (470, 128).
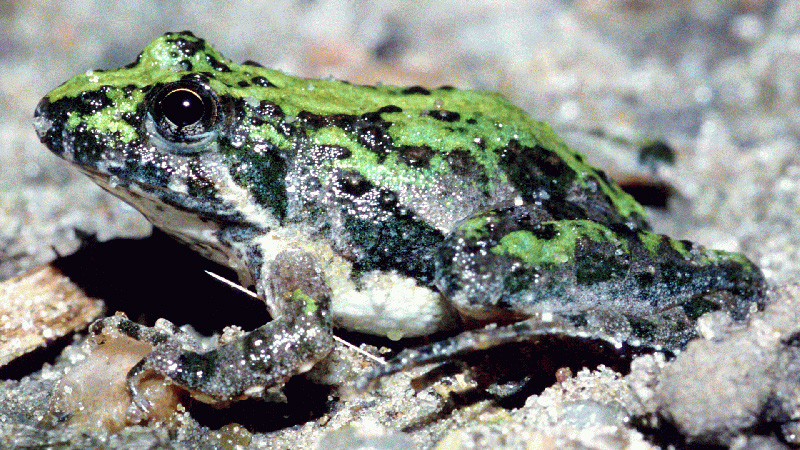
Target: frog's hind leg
(537, 326)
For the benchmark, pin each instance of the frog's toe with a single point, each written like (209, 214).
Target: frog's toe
(119, 324)
(140, 405)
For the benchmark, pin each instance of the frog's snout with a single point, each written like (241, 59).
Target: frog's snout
(42, 122)
(48, 121)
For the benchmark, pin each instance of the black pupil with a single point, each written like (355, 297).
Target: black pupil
(183, 107)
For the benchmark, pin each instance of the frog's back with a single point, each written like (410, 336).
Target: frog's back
(476, 146)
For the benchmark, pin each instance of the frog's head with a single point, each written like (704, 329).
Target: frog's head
(168, 132)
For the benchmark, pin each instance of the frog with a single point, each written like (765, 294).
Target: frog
(394, 211)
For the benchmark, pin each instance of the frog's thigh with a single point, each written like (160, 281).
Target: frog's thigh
(481, 280)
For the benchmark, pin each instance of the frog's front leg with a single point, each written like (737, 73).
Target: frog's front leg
(297, 338)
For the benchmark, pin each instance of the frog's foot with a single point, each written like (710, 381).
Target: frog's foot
(541, 324)
(163, 331)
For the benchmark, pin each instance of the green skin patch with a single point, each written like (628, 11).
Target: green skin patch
(524, 245)
(309, 305)
(457, 197)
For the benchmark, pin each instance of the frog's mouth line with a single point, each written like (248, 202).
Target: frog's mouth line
(151, 200)
(136, 193)
(115, 184)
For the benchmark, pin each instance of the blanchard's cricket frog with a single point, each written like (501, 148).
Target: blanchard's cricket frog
(388, 210)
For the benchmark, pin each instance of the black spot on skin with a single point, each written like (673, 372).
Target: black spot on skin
(130, 329)
(264, 172)
(552, 165)
(256, 121)
(354, 184)
(344, 121)
(642, 328)
(264, 111)
(268, 109)
(461, 162)
(623, 231)
(536, 169)
(416, 156)
(188, 47)
(443, 115)
(388, 200)
(578, 320)
(390, 109)
(696, 307)
(372, 117)
(263, 82)
(90, 102)
(415, 90)
(286, 129)
(243, 83)
(217, 64)
(542, 176)
(250, 62)
(375, 116)
(645, 279)
(131, 118)
(326, 152)
(545, 232)
(597, 262)
(604, 176)
(160, 339)
(376, 138)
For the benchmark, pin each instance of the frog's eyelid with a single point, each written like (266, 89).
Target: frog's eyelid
(204, 144)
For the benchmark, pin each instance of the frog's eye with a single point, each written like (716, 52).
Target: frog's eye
(184, 114)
